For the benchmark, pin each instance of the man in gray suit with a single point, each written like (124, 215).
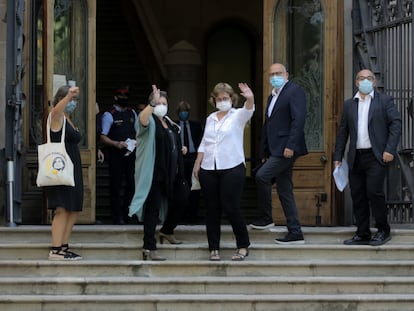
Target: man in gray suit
(372, 123)
(283, 141)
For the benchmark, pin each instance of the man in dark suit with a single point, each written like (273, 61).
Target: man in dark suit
(372, 123)
(283, 141)
(191, 134)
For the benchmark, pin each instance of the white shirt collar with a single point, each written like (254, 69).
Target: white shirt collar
(227, 114)
(358, 95)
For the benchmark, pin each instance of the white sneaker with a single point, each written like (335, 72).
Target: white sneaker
(261, 225)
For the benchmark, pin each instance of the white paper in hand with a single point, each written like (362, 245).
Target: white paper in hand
(340, 175)
(132, 143)
(195, 183)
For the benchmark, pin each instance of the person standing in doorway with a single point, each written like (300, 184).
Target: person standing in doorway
(283, 141)
(190, 136)
(99, 153)
(372, 123)
(118, 127)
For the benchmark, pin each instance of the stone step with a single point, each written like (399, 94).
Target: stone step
(360, 302)
(127, 268)
(207, 285)
(134, 233)
(321, 275)
(199, 251)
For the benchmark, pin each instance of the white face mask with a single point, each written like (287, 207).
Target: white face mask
(224, 105)
(160, 110)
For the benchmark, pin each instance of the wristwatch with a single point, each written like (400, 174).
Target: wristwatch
(152, 104)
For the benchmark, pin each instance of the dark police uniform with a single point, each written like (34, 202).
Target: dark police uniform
(121, 165)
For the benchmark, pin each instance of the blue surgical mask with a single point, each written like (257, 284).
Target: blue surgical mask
(277, 81)
(365, 86)
(71, 106)
(183, 115)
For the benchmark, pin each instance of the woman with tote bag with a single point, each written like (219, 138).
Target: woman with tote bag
(66, 201)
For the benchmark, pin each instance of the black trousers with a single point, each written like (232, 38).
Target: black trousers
(151, 216)
(121, 168)
(366, 180)
(222, 190)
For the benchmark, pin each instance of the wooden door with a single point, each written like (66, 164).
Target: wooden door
(62, 39)
(307, 36)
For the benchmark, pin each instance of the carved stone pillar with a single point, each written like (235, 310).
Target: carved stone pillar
(183, 65)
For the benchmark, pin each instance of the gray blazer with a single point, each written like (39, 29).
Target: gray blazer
(384, 128)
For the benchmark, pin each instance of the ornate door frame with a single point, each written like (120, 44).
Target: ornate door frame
(315, 193)
(39, 84)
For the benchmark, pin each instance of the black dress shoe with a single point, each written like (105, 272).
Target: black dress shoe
(291, 238)
(357, 240)
(380, 238)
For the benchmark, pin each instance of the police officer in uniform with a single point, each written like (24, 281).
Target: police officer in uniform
(118, 125)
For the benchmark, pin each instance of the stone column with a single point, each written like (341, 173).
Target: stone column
(183, 65)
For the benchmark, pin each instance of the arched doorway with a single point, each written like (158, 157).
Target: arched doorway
(230, 58)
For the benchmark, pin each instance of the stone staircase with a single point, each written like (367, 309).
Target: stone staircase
(322, 275)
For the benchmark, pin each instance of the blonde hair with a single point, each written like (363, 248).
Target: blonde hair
(223, 87)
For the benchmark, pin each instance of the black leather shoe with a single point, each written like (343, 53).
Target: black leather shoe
(291, 238)
(357, 240)
(380, 238)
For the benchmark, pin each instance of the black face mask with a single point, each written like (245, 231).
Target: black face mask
(123, 102)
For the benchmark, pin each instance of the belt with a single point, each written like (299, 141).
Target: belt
(363, 151)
